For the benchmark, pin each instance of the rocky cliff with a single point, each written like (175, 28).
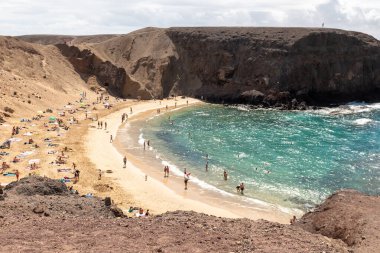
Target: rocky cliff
(242, 65)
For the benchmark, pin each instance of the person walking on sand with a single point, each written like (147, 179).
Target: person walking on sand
(17, 175)
(105, 125)
(100, 175)
(186, 178)
(131, 110)
(111, 139)
(144, 145)
(101, 124)
(125, 161)
(225, 175)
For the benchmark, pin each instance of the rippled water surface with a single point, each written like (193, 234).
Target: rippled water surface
(294, 159)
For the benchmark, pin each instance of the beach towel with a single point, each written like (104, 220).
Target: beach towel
(64, 170)
(9, 174)
(64, 180)
(14, 139)
(24, 154)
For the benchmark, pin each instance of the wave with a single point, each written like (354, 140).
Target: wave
(362, 121)
(258, 203)
(350, 108)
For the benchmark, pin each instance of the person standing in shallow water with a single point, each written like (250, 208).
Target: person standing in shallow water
(242, 188)
(225, 175)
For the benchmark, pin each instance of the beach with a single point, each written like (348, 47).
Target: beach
(157, 193)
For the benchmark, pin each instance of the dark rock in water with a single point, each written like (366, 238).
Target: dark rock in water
(36, 185)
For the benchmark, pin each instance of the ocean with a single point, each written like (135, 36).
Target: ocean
(291, 159)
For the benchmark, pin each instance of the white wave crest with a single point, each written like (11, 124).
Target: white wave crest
(350, 108)
(362, 121)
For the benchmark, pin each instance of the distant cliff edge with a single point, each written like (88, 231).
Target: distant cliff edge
(285, 67)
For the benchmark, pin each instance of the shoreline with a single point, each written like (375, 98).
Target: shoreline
(158, 194)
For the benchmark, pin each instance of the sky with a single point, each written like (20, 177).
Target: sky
(83, 17)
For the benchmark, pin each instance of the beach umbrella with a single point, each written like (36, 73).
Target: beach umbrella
(40, 112)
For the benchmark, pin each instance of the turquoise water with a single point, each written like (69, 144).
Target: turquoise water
(289, 158)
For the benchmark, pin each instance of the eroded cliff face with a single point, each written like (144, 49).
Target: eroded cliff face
(276, 65)
(113, 78)
(271, 66)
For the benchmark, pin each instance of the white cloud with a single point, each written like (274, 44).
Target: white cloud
(120, 16)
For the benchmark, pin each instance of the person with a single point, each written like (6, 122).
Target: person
(206, 166)
(186, 179)
(141, 212)
(166, 171)
(131, 209)
(105, 125)
(100, 175)
(130, 109)
(147, 212)
(76, 175)
(111, 139)
(17, 175)
(74, 166)
(148, 142)
(225, 175)
(144, 145)
(293, 220)
(242, 188)
(125, 161)
(16, 159)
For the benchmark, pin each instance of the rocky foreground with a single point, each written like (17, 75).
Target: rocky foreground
(41, 215)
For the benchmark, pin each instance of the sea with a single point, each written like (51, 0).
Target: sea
(291, 159)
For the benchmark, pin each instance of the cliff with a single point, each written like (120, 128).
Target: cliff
(269, 66)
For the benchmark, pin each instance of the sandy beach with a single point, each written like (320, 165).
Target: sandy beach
(157, 194)
(91, 151)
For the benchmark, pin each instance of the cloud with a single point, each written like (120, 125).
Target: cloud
(120, 16)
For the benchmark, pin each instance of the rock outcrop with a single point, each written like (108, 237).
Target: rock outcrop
(349, 216)
(268, 66)
(347, 222)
